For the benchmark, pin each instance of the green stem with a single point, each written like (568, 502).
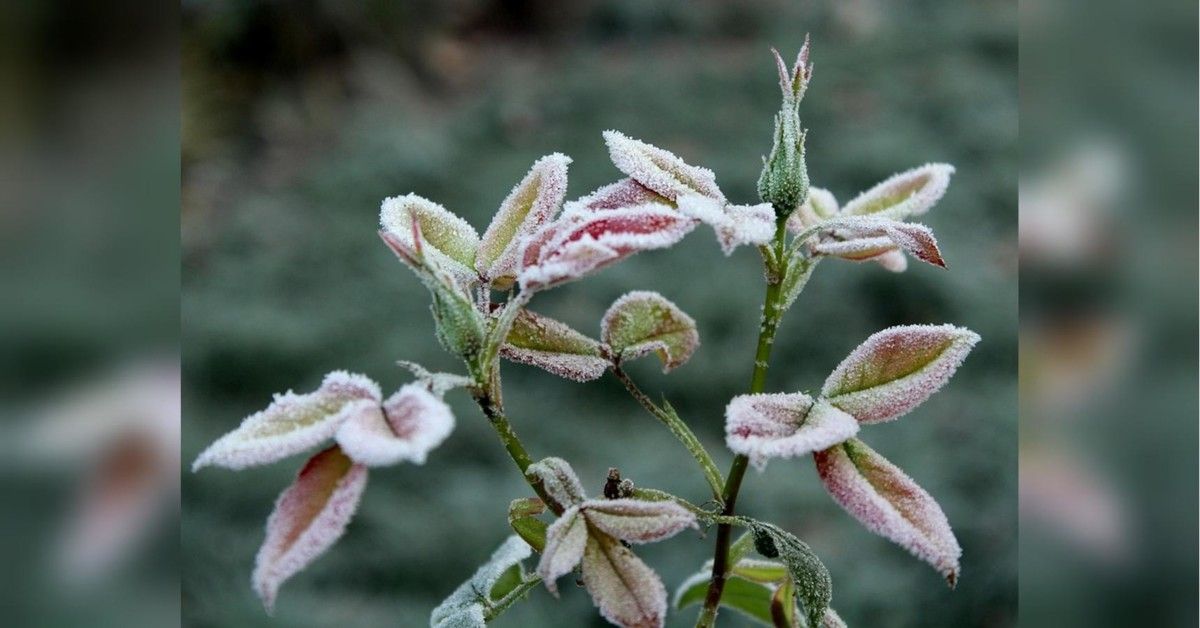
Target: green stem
(678, 428)
(772, 313)
(512, 444)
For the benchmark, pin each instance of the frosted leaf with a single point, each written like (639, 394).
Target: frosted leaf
(889, 503)
(467, 605)
(909, 193)
(794, 82)
(820, 205)
(292, 423)
(529, 205)
(627, 592)
(748, 598)
(813, 585)
(897, 369)
(522, 518)
(638, 521)
(640, 322)
(660, 170)
(893, 261)
(451, 241)
(309, 517)
(778, 425)
(735, 225)
(553, 346)
(623, 193)
(857, 249)
(916, 240)
(565, 541)
(832, 620)
(411, 423)
(437, 383)
(582, 242)
(559, 480)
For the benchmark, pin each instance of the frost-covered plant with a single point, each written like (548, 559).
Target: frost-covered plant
(538, 242)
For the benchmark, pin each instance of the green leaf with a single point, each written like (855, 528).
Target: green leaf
(450, 241)
(553, 346)
(641, 322)
(522, 516)
(508, 582)
(748, 598)
(814, 587)
(471, 604)
(783, 606)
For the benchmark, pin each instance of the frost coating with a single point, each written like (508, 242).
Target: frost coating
(890, 504)
(660, 170)
(865, 238)
(292, 423)
(309, 517)
(909, 193)
(735, 225)
(565, 541)
(897, 369)
(410, 424)
(627, 592)
(766, 426)
(832, 620)
(581, 242)
(638, 521)
(452, 241)
(465, 607)
(553, 346)
(641, 322)
(530, 204)
(559, 479)
(623, 193)
(820, 205)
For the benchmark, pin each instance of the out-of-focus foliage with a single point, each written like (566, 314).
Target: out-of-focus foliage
(299, 118)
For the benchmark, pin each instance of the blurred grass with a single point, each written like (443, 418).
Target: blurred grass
(298, 121)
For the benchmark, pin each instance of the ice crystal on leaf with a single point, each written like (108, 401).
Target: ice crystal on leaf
(623, 193)
(832, 620)
(660, 170)
(735, 225)
(293, 423)
(559, 479)
(638, 521)
(437, 383)
(909, 193)
(813, 585)
(468, 606)
(451, 241)
(641, 322)
(820, 205)
(626, 590)
(309, 517)
(553, 346)
(565, 542)
(869, 238)
(897, 369)
(779, 425)
(411, 422)
(531, 204)
(581, 242)
(889, 503)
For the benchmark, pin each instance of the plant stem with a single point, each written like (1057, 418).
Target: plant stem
(772, 313)
(512, 444)
(669, 418)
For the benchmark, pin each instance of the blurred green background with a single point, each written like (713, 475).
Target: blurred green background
(300, 117)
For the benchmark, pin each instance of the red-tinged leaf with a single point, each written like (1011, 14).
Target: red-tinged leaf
(735, 225)
(660, 170)
(641, 322)
(619, 195)
(410, 424)
(293, 423)
(627, 592)
(449, 240)
(765, 426)
(581, 242)
(820, 205)
(531, 204)
(870, 238)
(553, 346)
(889, 503)
(638, 521)
(309, 517)
(897, 369)
(909, 193)
(565, 541)
(559, 480)
(916, 240)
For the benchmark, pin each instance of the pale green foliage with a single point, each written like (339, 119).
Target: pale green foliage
(471, 604)
(642, 322)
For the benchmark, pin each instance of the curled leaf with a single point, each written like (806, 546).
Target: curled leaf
(909, 193)
(735, 224)
(553, 346)
(522, 518)
(309, 517)
(861, 239)
(293, 423)
(449, 240)
(818, 206)
(467, 606)
(897, 369)
(660, 170)
(641, 322)
(638, 521)
(409, 425)
(778, 425)
(559, 480)
(565, 541)
(627, 592)
(889, 503)
(581, 242)
(623, 193)
(529, 205)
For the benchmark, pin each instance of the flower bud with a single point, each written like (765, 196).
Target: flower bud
(784, 179)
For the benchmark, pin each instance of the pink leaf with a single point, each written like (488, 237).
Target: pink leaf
(660, 170)
(309, 517)
(409, 425)
(869, 238)
(565, 540)
(553, 346)
(293, 423)
(889, 503)
(529, 205)
(765, 426)
(735, 225)
(449, 240)
(897, 369)
(642, 322)
(581, 242)
(909, 193)
(623, 193)
(638, 521)
(916, 240)
(627, 592)
(559, 480)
